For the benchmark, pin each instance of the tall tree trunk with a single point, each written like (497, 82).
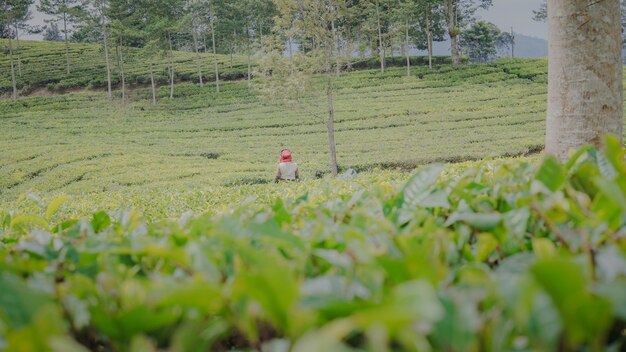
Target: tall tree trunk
(121, 56)
(17, 50)
(105, 37)
(171, 59)
(381, 51)
(194, 36)
(450, 9)
(217, 69)
(249, 53)
(348, 51)
(153, 85)
(336, 44)
(13, 82)
(512, 43)
(232, 48)
(429, 40)
(585, 93)
(67, 45)
(331, 128)
(406, 48)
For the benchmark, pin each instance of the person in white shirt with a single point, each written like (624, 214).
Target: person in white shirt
(287, 169)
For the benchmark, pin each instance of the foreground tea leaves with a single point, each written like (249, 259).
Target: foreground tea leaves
(497, 255)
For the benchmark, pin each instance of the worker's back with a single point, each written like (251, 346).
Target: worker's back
(287, 170)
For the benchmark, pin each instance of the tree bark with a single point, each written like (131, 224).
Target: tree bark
(67, 45)
(217, 70)
(194, 36)
(17, 50)
(153, 85)
(13, 82)
(336, 44)
(249, 53)
(450, 9)
(406, 48)
(585, 89)
(171, 59)
(381, 51)
(429, 41)
(121, 56)
(106, 50)
(331, 128)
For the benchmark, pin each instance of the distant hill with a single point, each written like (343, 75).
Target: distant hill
(525, 46)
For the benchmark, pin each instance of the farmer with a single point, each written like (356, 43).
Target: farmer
(287, 169)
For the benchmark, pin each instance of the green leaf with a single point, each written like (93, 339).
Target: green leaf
(551, 173)
(19, 303)
(100, 221)
(485, 244)
(420, 185)
(55, 204)
(543, 248)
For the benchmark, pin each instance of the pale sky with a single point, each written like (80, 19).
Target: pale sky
(517, 14)
(504, 13)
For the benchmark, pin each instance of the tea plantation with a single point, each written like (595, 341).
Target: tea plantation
(132, 227)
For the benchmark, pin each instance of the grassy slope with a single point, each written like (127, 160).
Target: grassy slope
(43, 65)
(82, 143)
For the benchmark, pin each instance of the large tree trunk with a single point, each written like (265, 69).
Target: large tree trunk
(105, 37)
(217, 69)
(13, 82)
(450, 9)
(381, 51)
(171, 59)
(584, 74)
(331, 128)
(67, 45)
(194, 36)
(153, 85)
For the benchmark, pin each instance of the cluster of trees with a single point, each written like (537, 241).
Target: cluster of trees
(370, 27)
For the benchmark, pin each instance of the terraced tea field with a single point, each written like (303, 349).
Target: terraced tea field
(42, 65)
(81, 142)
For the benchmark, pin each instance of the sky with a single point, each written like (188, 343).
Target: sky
(517, 14)
(504, 13)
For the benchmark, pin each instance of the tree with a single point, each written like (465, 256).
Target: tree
(66, 11)
(541, 15)
(52, 34)
(482, 40)
(13, 12)
(585, 92)
(163, 18)
(458, 13)
(291, 79)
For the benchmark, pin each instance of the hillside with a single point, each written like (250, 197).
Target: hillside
(80, 143)
(42, 65)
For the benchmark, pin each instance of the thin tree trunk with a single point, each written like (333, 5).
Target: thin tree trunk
(406, 48)
(336, 44)
(512, 43)
(120, 52)
(585, 89)
(13, 82)
(450, 7)
(348, 51)
(153, 85)
(331, 128)
(249, 53)
(381, 51)
(106, 51)
(194, 36)
(67, 45)
(232, 48)
(17, 50)
(171, 59)
(429, 43)
(217, 70)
